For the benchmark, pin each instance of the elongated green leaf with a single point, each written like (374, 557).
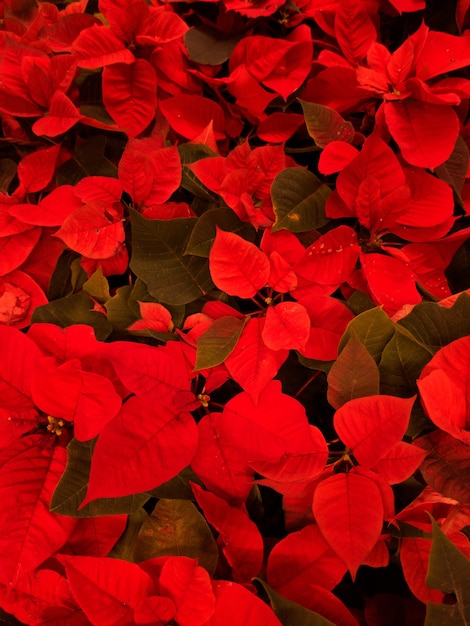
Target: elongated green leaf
(215, 345)
(298, 198)
(353, 375)
(74, 309)
(72, 486)
(158, 258)
(176, 527)
(436, 326)
(402, 360)
(454, 170)
(208, 45)
(325, 125)
(97, 286)
(88, 160)
(290, 613)
(449, 571)
(374, 330)
(203, 234)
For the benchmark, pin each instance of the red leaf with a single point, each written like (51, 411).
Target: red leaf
(154, 316)
(329, 318)
(15, 249)
(98, 46)
(263, 436)
(51, 210)
(425, 133)
(390, 281)
(354, 29)
(349, 511)
(19, 296)
(218, 463)
(443, 383)
(94, 230)
(189, 586)
(98, 188)
(335, 156)
(32, 534)
(372, 426)
(19, 357)
(447, 464)
(130, 95)
(442, 53)
(107, 590)
(399, 463)
(154, 444)
(66, 391)
(237, 266)
(35, 171)
(236, 606)
(96, 536)
(287, 326)
(252, 364)
(149, 371)
(414, 558)
(279, 127)
(63, 114)
(301, 560)
(189, 115)
(239, 538)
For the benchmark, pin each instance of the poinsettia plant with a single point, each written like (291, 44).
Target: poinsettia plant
(235, 312)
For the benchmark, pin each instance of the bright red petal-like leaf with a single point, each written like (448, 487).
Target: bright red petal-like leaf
(279, 127)
(157, 610)
(96, 536)
(15, 249)
(35, 171)
(354, 29)
(32, 534)
(154, 444)
(281, 277)
(425, 133)
(189, 115)
(107, 590)
(287, 326)
(130, 95)
(373, 425)
(329, 318)
(399, 463)
(443, 383)
(237, 266)
(63, 114)
(414, 558)
(94, 230)
(236, 606)
(98, 46)
(66, 391)
(239, 537)
(52, 210)
(20, 295)
(98, 188)
(349, 511)
(302, 559)
(442, 53)
(218, 463)
(154, 316)
(335, 156)
(260, 430)
(19, 357)
(252, 364)
(189, 586)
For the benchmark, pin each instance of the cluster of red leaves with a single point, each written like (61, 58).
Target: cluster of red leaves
(174, 251)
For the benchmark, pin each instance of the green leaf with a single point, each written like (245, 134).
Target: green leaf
(354, 374)
(325, 125)
(315, 364)
(119, 313)
(72, 486)
(124, 548)
(8, 170)
(454, 170)
(298, 198)
(88, 160)
(208, 45)
(158, 258)
(436, 326)
(374, 330)
(290, 613)
(203, 234)
(74, 309)
(177, 488)
(97, 287)
(177, 527)
(60, 284)
(458, 270)
(449, 571)
(402, 360)
(219, 340)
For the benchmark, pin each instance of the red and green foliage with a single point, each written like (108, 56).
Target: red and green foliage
(235, 313)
